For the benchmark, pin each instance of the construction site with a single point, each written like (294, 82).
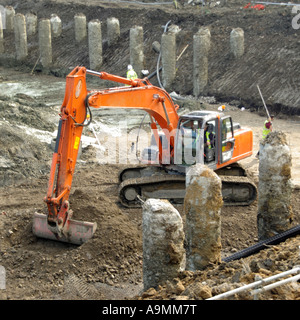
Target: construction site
(247, 82)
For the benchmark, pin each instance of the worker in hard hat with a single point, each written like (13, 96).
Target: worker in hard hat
(131, 74)
(267, 128)
(222, 108)
(209, 142)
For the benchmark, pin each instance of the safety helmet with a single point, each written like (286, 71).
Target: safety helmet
(129, 67)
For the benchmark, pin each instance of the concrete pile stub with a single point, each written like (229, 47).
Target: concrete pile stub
(20, 36)
(163, 243)
(31, 23)
(136, 43)
(156, 46)
(95, 44)
(202, 208)
(80, 27)
(237, 42)
(9, 19)
(56, 25)
(45, 42)
(201, 47)
(168, 56)
(275, 186)
(113, 30)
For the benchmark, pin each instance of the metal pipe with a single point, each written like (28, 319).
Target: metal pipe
(276, 284)
(263, 102)
(255, 284)
(94, 73)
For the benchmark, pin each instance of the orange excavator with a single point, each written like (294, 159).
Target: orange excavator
(207, 137)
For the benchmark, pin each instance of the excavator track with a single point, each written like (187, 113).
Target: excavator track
(236, 190)
(137, 172)
(144, 170)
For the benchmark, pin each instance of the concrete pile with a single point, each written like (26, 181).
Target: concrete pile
(275, 187)
(163, 237)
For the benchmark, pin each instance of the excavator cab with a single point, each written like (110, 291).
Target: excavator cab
(204, 137)
(201, 137)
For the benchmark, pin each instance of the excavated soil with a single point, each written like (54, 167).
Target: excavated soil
(109, 266)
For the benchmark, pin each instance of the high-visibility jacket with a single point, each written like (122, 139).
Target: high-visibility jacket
(266, 131)
(131, 74)
(207, 135)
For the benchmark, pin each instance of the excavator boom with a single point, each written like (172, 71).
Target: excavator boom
(138, 94)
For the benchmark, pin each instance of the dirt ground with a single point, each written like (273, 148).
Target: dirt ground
(109, 266)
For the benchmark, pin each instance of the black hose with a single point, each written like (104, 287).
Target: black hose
(153, 73)
(264, 243)
(87, 110)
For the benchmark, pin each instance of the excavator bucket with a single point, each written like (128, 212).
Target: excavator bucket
(77, 232)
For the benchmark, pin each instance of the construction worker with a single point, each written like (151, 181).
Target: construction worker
(131, 74)
(268, 127)
(209, 136)
(209, 142)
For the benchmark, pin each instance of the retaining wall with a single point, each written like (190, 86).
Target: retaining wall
(270, 53)
(52, 48)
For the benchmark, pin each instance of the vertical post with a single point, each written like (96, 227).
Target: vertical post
(80, 27)
(202, 208)
(56, 27)
(237, 42)
(163, 238)
(20, 36)
(168, 58)
(136, 43)
(201, 46)
(31, 24)
(95, 44)
(113, 30)
(275, 186)
(45, 42)
(9, 19)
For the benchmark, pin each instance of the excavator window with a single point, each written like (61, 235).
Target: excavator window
(227, 139)
(189, 139)
(209, 141)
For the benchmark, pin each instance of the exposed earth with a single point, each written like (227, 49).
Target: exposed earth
(109, 266)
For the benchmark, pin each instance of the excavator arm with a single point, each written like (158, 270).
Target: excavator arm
(136, 94)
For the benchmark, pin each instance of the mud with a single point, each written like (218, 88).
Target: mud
(110, 265)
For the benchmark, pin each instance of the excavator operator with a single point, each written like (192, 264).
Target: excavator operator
(209, 142)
